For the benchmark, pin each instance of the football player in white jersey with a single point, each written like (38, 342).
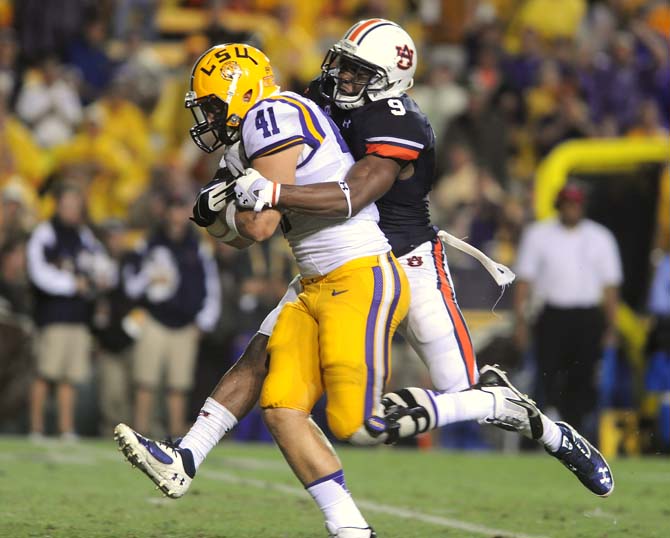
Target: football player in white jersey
(365, 77)
(335, 337)
(379, 167)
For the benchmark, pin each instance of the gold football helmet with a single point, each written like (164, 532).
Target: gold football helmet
(226, 81)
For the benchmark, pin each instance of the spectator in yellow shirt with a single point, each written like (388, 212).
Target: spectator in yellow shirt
(19, 153)
(126, 123)
(114, 178)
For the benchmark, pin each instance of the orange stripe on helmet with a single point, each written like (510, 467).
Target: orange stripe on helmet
(362, 27)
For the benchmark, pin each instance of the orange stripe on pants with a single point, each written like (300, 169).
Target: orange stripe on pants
(461, 330)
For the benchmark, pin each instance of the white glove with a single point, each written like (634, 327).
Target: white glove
(234, 159)
(253, 191)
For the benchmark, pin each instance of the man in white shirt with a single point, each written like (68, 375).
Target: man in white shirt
(571, 265)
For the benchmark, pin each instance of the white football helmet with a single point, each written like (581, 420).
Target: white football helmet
(378, 60)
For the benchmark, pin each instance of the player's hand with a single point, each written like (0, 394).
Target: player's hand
(212, 198)
(235, 159)
(253, 191)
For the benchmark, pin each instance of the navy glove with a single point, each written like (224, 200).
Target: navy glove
(213, 197)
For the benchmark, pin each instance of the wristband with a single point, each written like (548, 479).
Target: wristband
(276, 189)
(347, 195)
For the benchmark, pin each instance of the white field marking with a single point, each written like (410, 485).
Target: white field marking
(372, 507)
(93, 453)
(599, 512)
(159, 501)
(251, 464)
(51, 456)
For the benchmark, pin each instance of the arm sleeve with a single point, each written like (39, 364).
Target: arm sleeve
(612, 272)
(211, 308)
(277, 124)
(46, 276)
(528, 260)
(392, 131)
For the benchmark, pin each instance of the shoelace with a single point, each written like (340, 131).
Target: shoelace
(173, 445)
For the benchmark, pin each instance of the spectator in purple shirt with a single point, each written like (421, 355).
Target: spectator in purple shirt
(521, 70)
(88, 56)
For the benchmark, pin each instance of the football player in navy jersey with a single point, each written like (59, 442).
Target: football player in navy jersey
(365, 77)
(363, 83)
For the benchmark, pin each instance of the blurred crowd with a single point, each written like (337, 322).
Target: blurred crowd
(97, 170)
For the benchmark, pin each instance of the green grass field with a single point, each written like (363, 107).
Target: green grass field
(87, 490)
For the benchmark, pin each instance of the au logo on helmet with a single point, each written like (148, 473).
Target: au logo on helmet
(406, 56)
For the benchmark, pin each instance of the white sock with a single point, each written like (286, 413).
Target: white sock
(214, 421)
(458, 406)
(552, 435)
(334, 500)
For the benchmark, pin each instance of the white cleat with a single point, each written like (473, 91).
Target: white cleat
(512, 411)
(168, 466)
(349, 532)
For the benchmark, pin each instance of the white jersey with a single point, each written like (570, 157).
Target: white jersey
(319, 244)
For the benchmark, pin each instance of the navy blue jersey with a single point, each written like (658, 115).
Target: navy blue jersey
(397, 129)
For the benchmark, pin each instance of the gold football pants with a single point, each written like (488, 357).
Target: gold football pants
(336, 338)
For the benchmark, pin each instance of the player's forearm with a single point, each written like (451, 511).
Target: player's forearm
(257, 226)
(521, 294)
(610, 305)
(323, 199)
(367, 181)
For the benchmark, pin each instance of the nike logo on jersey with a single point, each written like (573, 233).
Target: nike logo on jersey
(336, 292)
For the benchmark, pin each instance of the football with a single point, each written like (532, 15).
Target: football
(220, 228)
(222, 232)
